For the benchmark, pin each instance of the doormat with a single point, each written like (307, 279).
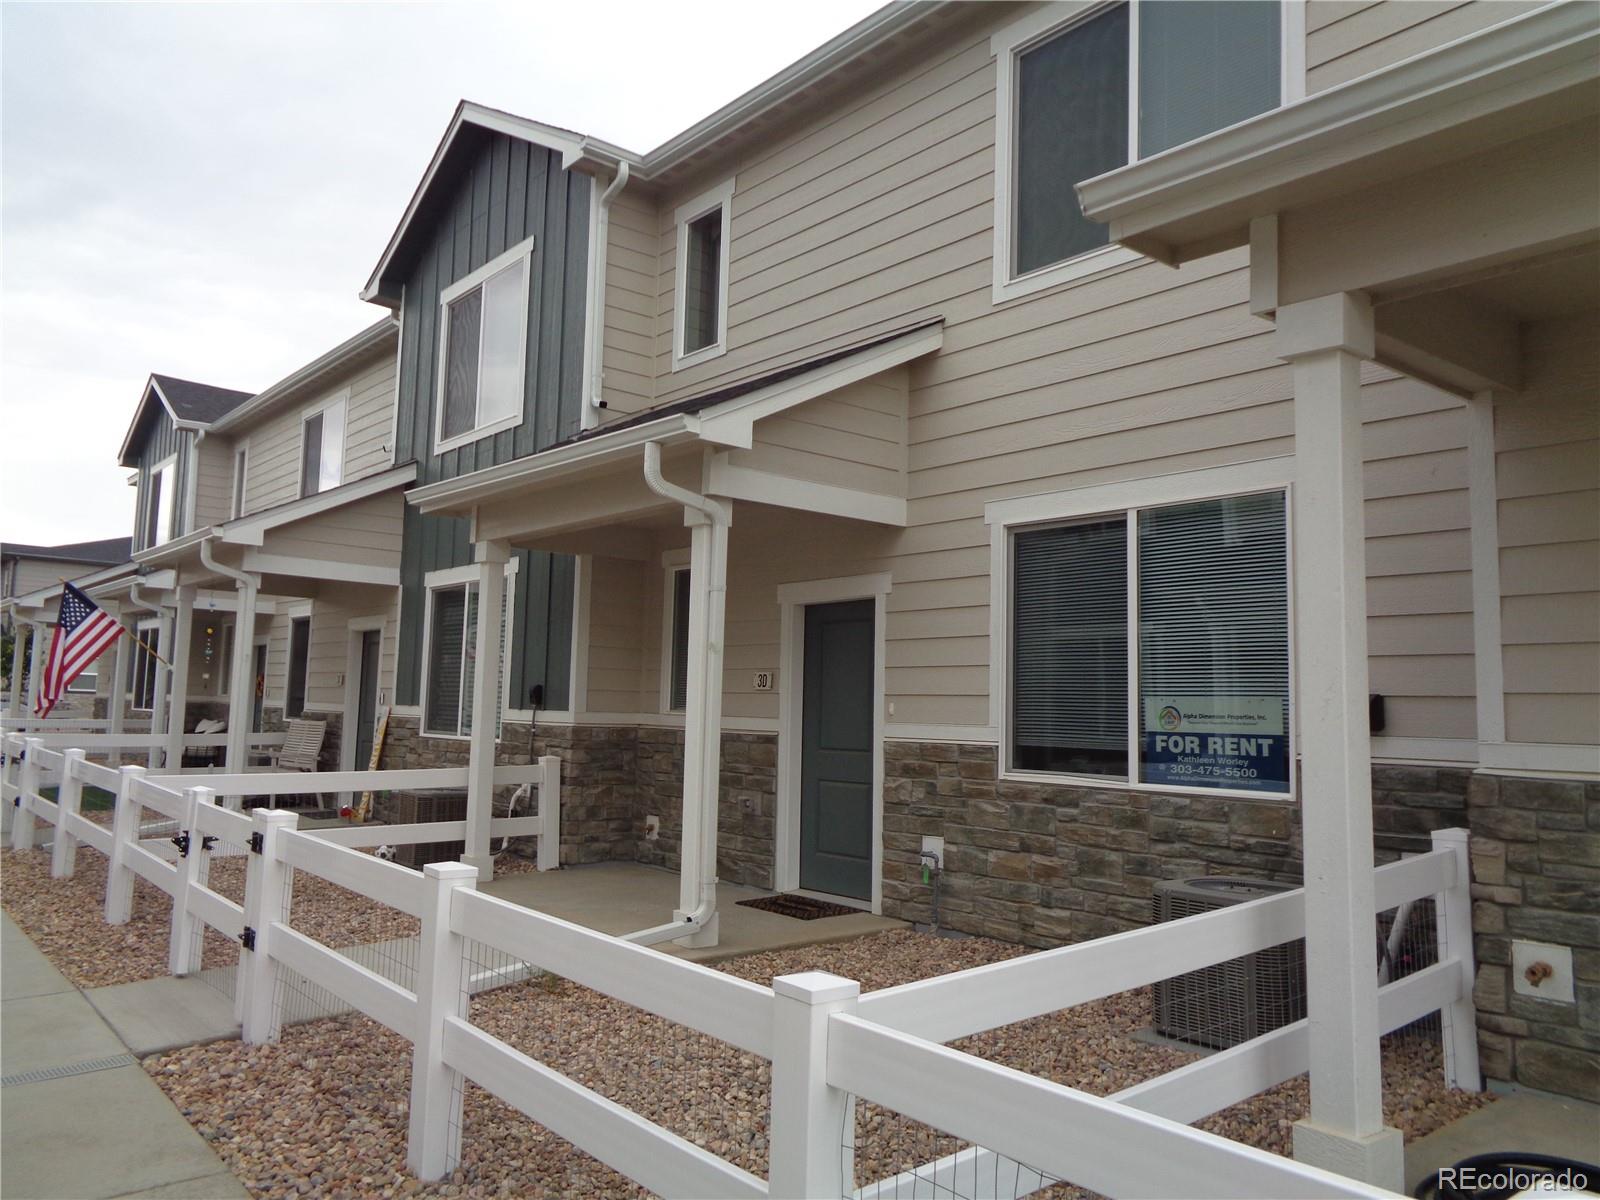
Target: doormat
(801, 908)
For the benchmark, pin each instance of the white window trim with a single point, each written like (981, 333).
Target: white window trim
(1008, 45)
(333, 400)
(450, 577)
(163, 536)
(687, 214)
(144, 629)
(672, 562)
(241, 476)
(1005, 517)
(523, 250)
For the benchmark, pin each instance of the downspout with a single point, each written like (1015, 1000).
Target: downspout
(239, 682)
(702, 756)
(595, 400)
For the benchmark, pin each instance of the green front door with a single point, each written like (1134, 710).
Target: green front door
(836, 750)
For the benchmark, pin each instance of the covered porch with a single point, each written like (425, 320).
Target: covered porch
(1438, 218)
(266, 574)
(706, 532)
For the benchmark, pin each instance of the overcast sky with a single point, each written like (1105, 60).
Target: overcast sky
(201, 190)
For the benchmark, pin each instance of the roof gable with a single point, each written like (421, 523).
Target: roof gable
(187, 403)
(468, 128)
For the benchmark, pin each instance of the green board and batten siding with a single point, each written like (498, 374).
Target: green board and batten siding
(507, 190)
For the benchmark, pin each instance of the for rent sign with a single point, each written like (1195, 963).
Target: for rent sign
(1216, 741)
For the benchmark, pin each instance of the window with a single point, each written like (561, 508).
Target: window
(702, 286)
(1116, 82)
(482, 346)
(142, 667)
(1151, 646)
(294, 704)
(84, 681)
(238, 482)
(322, 449)
(160, 504)
(678, 667)
(452, 651)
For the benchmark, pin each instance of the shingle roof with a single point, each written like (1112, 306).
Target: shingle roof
(108, 551)
(199, 401)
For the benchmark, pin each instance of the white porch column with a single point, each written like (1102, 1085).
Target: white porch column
(241, 680)
(158, 706)
(702, 723)
(20, 630)
(35, 663)
(117, 709)
(1326, 339)
(491, 558)
(178, 700)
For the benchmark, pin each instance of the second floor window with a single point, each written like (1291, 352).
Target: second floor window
(160, 504)
(702, 288)
(322, 449)
(1111, 85)
(239, 458)
(483, 343)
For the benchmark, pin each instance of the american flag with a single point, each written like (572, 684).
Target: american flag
(83, 631)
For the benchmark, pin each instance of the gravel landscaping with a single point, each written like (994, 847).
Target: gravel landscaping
(65, 917)
(324, 1111)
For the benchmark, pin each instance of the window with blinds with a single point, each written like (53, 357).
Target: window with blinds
(1069, 656)
(1118, 82)
(452, 658)
(678, 692)
(1206, 586)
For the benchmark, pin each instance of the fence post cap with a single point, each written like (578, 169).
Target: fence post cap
(1451, 835)
(75, 752)
(451, 872)
(275, 816)
(201, 793)
(131, 769)
(816, 987)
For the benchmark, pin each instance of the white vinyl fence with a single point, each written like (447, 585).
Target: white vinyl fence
(827, 1043)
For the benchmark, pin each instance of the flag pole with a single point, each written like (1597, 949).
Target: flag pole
(133, 637)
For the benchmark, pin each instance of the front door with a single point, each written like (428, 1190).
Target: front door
(367, 697)
(836, 750)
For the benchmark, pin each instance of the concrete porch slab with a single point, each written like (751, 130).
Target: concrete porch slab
(1517, 1120)
(619, 898)
(153, 1015)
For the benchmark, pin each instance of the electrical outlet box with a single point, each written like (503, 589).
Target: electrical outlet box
(652, 828)
(1542, 971)
(761, 681)
(934, 845)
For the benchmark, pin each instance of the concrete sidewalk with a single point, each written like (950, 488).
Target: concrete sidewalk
(78, 1115)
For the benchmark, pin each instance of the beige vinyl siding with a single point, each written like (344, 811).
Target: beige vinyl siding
(878, 213)
(365, 533)
(1345, 40)
(1547, 439)
(630, 330)
(619, 611)
(853, 438)
(213, 489)
(31, 574)
(273, 466)
(327, 663)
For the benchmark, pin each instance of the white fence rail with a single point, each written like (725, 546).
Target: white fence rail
(828, 1044)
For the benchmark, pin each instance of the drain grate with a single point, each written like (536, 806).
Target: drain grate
(64, 1072)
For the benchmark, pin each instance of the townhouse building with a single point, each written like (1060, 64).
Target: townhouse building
(921, 505)
(832, 485)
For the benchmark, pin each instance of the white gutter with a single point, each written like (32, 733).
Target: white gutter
(708, 521)
(595, 399)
